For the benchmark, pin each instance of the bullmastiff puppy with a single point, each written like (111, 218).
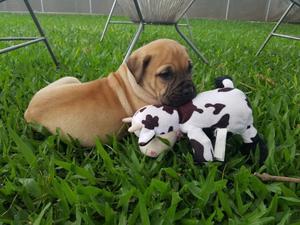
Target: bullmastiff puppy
(157, 73)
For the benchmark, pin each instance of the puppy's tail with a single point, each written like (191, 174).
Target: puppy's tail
(224, 82)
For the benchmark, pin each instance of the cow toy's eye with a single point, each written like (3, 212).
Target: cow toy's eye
(166, 75)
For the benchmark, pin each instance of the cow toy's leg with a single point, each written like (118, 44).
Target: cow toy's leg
(251, 139)
(201, 144)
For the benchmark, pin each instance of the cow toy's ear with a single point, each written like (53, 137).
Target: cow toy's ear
(146, 136)
(135, 128)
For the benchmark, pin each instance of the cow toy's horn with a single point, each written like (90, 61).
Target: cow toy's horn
(127, 120)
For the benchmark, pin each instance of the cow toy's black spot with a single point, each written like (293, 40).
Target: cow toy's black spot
(150, 122)
(219, 81)
(185, 112)
(168, 109)
(225, 89)
(142, 109)
(222, 123)
(248, 127)
(218, 107)
(198, 151)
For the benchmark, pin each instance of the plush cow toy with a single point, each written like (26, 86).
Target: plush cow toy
(224, 107)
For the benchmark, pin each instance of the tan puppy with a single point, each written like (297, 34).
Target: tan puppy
(159, 72)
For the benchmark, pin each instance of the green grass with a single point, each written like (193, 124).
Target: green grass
(46, 181)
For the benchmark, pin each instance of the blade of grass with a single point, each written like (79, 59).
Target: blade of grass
(40, 216)
(23, 148)
(143, 210)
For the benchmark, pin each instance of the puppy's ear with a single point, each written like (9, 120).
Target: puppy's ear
(137, 66)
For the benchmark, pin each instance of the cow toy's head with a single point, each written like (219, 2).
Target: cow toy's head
(157, 128)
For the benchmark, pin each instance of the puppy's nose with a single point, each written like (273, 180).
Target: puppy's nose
(188, 90)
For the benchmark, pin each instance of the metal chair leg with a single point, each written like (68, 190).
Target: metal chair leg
(188, 25)
(38, 26)
(108, 19)
(14, 47)
(190, 43)
(134, 40)
(275, 28)
(138, 32)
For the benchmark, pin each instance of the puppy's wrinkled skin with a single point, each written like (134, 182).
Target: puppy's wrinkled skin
(157, 73)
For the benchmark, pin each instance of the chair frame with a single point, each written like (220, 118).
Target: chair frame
(30, 40)
(142, 24)
(273, 32)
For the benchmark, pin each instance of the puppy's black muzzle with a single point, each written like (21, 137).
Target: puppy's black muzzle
(182, 93)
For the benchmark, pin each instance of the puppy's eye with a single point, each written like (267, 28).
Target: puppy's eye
(166, 75)
(190, 67)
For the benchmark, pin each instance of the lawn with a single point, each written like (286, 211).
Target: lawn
(46, 181)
